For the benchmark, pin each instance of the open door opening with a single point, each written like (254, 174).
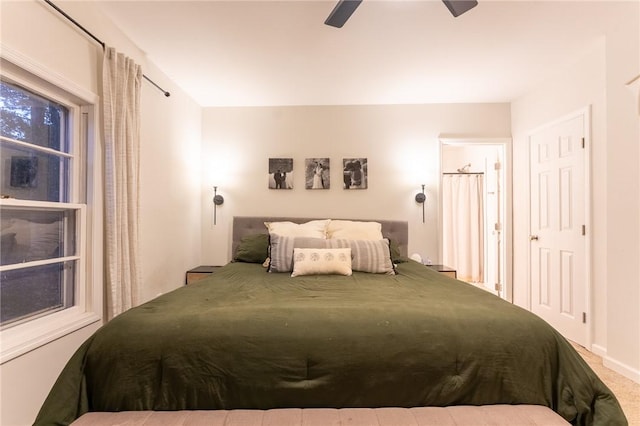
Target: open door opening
(475, 212)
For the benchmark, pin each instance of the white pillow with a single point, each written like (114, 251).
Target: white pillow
(352, 230)
(315, 261)
(311, 229)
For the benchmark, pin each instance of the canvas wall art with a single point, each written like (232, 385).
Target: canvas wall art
(281, 173)
(355, 173)
(317, 173)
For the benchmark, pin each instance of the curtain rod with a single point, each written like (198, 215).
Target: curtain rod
(97, 40)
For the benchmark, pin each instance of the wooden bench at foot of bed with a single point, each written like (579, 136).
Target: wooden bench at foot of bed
(507, 415)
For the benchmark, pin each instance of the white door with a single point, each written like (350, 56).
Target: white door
(558, 245)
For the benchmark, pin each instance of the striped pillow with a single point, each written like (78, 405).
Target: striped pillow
(281, 250)
(367, 255)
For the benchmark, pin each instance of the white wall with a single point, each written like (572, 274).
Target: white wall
(400, 143)
(623, 201)
(595, 79)
(578, 86)
(170, 187)
(170, 174)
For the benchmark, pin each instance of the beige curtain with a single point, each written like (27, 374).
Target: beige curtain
(121, 83)
(463, 225)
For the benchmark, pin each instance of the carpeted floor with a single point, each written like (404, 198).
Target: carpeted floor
(626, 390)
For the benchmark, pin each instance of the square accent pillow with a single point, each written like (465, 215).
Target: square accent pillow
(396, 257)
(311, 229)
(252, 249)
(313, 261)
(281, 250)
(367, 255)
(354, 230)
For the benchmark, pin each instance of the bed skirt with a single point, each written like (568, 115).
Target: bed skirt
(499, 415)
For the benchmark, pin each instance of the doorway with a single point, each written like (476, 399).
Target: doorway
(475, 212)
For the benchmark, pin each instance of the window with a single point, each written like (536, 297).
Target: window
(45, 233)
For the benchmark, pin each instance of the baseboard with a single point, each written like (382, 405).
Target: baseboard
(618, 367)
(601, 351)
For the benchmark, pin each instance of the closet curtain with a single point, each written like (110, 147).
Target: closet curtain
(121, 84)
(463, 225)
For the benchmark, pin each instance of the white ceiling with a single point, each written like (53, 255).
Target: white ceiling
(256, 53)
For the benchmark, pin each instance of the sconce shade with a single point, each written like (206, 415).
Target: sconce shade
(217, 199)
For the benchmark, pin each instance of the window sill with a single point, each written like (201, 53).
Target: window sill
(18, 340)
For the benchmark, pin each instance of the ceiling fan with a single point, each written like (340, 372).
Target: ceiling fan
(343, 10)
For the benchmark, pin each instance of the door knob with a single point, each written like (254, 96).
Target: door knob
(533, 237)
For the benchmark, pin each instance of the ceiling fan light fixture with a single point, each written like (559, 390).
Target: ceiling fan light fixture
(458, 7)
(341, 12)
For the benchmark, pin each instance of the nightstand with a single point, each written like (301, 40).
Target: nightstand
(444, 270)
(199, 273)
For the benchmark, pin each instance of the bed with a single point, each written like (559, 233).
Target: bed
(245, 338)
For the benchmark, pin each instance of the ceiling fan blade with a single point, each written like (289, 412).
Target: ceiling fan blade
(342, 12)
(458, 7)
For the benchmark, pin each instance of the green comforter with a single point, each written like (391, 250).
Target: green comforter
(245, 338)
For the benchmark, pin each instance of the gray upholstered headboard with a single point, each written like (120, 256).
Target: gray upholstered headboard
(395, 230)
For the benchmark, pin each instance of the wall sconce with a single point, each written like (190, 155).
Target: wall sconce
(217, 201)
(420, 199)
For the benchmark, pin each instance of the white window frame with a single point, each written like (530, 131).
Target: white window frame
(88, 297)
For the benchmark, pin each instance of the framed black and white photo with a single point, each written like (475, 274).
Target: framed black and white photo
(354, 173)
(281, 173)
(317, 173)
